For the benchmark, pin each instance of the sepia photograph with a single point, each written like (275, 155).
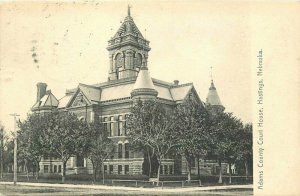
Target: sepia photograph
(138, 97)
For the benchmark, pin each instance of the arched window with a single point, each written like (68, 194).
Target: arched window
(138, 61)
(119, 61)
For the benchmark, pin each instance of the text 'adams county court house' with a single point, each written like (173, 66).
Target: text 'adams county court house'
(128, 79)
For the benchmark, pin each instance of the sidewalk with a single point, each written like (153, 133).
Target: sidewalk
(103, 187)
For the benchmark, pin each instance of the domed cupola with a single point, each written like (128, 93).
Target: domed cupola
(143, 87)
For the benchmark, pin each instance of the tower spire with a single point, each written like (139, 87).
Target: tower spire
(213, 97)
(128, 50)
(128, 10)
(211, 76)
(212, 85)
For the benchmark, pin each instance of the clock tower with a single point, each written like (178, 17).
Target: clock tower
(128, 50)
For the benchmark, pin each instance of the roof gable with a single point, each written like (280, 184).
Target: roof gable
(84, 95)
(181, 91)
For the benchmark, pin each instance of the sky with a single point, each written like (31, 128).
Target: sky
(63, 44)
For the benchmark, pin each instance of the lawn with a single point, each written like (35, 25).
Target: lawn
(123, 180)
(35, 191)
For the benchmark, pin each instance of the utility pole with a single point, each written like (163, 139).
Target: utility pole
(1, 150)
(15, 148)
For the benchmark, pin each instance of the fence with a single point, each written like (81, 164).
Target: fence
(153, 183)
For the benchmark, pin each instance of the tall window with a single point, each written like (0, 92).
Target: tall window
(120, 125)
(193, 162)
(126, 169)
(166, 169)
(125, 124)
(111, 127)
(79, 161)
(119, 60)
(111, 169)
(119, 169)
(120, 151)
(126, 146)
(46, 168)
(105, 124)
(171, 169)
(55, 168)
(105, 169)
(138, 61)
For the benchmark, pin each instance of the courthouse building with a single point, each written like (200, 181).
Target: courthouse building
(110, 102)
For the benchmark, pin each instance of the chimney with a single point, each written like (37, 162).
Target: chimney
(41, 90)
(176, 82)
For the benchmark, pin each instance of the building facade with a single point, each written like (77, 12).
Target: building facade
(110, 102)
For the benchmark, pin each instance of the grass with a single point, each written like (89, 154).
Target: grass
(142, 181)
(16, 190)
(35, 191)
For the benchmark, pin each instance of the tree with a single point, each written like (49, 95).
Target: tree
(136, 124)
(245, 147)
(68, 136)
(191, 131)
(8, 154)
(234, 130)
(1, 149)
(101, 147)
(224, 127)
(32, 141)
(151, 126)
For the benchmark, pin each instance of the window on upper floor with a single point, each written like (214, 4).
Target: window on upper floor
(120, 125)
(120, 150)
(125, 124)
(126, 146)
(111, 126)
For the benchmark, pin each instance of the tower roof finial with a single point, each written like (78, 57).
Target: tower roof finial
(212, 86)
(211, 76)
(128, 10)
